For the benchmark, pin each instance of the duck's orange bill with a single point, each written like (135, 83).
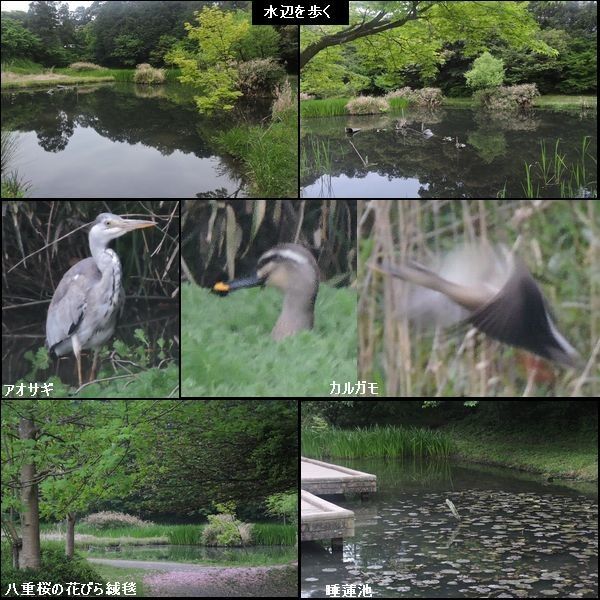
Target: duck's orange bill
(220, 287)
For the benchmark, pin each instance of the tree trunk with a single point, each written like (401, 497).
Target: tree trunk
(30, 517)
(70, 548)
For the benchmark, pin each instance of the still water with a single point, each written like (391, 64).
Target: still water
(197, 554)
(517, 537)
(121, 141)
(381, 161)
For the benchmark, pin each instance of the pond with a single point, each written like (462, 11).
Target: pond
(258, 555)
(380, 161)
(517, 537)
(122, 141)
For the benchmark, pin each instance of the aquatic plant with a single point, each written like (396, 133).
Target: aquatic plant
(572, 179)
(323, 107)
(273, 534)
(375, 442)
(145, 73)
(367, 105)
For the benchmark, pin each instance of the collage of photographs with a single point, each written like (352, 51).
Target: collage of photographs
(239, 260)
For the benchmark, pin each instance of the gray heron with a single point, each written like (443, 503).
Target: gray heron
(87, 301)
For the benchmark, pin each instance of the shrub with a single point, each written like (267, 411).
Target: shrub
(224, 529)
(284, 99)
(259, 76)
(86, 66)
(367, 105)
(147, 74)
(510, 97)
(486, 72)
(429, 97)
(55, 567)
(110, 520)
(406, 93)
(305, 96)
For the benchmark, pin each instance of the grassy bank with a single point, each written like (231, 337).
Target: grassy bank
(25, 74)
(263, 534)
(334, 107)
(555, 101)
(14, 81)
(375, 442)
(560, 455)
(269, 155)
(227, 349)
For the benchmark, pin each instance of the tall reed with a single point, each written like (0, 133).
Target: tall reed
(273, 534)
(375, 442)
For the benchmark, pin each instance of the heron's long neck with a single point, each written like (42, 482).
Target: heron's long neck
(109, 265)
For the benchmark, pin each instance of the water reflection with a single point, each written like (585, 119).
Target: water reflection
(470, 154)
(122, 140)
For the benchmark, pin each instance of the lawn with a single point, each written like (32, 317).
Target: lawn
(227, 349)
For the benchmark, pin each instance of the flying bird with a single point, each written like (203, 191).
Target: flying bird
(492, 289)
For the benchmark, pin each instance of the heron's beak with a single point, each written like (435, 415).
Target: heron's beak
(237, 284)
(131, 224)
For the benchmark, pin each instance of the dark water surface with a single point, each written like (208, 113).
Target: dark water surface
(382, 162)
(121, 140)
(517, 537)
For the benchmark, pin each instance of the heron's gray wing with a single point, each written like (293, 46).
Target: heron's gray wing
(69, 302)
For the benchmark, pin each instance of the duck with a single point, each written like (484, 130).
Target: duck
(490, 288)
(293, 270)
(459, 145)
(351, 130)
(426, 132)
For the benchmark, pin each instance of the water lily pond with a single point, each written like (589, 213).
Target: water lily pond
(450, 153)
(516, 538)
(121, 141)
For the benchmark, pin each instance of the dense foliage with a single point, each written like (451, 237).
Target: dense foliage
(126, 33)
(393, 44)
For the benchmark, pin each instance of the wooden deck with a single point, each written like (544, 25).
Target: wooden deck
(321, 520)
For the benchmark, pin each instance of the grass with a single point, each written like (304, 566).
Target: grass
(555, 101)
(375, 442)
(334, 107)
(274, 534)
(269, 155)
(13, 185)
(315, 157)
(554, 170)
(227, 350)
(15, 81)
(557, 454)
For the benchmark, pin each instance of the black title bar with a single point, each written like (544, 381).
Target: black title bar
(314, 12)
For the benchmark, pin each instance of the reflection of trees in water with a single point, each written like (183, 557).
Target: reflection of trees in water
(443, 170)
(156, 116)
(508, 120)
(53, 135)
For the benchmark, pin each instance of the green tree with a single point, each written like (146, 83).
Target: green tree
(127, 50)
(18, 42)
(212, 69)
(486, 72)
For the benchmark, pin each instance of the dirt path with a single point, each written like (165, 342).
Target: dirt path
(190, 580)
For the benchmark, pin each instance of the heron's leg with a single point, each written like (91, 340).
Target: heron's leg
(94, 364)
(77, 353)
